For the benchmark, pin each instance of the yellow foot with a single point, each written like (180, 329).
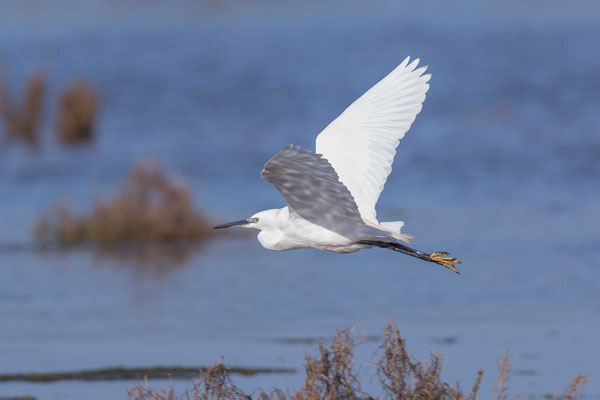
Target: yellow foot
(447, 262)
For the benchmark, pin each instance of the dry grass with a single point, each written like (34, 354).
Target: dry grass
(150, 206)
(214, 384)
(77, 111)
(21, 122)
(504, 365)
(404, 377)
(575, 389)
(331, 375)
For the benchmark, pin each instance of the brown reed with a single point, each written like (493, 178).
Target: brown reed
(77, 113)
(22, 121)
(331, 375)
(150, 206)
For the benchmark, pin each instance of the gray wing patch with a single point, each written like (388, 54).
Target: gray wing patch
(312, 189)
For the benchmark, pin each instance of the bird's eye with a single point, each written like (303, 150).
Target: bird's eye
(255, 219)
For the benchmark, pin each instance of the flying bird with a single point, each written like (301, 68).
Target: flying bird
(331, 194)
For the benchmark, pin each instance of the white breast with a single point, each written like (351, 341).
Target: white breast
(293, 232)
(271, 240)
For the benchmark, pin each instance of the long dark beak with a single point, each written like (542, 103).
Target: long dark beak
(235, 223)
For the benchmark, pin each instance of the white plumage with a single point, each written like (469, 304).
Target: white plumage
(331, 194)
(361, 143)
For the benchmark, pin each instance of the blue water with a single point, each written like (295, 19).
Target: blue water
(502, 168)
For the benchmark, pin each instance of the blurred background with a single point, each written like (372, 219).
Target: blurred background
(129, 127)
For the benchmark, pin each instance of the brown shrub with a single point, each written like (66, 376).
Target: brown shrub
(22, 122)
(574, 390)
(214, 384)
(331, 376)
(149, 206)
(504, 366)
(77, 111)
(404, 377)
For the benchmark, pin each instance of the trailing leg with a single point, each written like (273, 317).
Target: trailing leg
(438, 257)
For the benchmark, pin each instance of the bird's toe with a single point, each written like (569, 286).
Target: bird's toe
(448, 262)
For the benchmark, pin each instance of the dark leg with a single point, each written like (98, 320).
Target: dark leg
(397, 247)
(437, 258)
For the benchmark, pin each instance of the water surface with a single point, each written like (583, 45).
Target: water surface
(501, 168)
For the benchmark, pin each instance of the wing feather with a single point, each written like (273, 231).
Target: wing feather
(312, 190)
(361, 143)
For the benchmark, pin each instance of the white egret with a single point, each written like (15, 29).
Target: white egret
(331, 194)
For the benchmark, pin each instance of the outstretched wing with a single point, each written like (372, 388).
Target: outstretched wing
(361, 143)
(312, 189)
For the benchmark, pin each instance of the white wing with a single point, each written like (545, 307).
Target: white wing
(312, 190)
(361, 143)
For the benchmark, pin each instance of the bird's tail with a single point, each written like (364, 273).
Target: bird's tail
(394, 228)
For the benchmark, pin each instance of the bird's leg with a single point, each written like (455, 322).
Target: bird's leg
(438, 257)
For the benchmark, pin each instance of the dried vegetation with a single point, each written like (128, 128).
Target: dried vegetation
(331, 375)
(77, 111)
(150, 206)
(22, 121)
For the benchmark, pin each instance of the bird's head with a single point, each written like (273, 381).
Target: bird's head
(260, 220)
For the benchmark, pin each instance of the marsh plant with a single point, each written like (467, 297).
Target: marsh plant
(77, 113)
(22, 120)
(332, 375)
(149, 206)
